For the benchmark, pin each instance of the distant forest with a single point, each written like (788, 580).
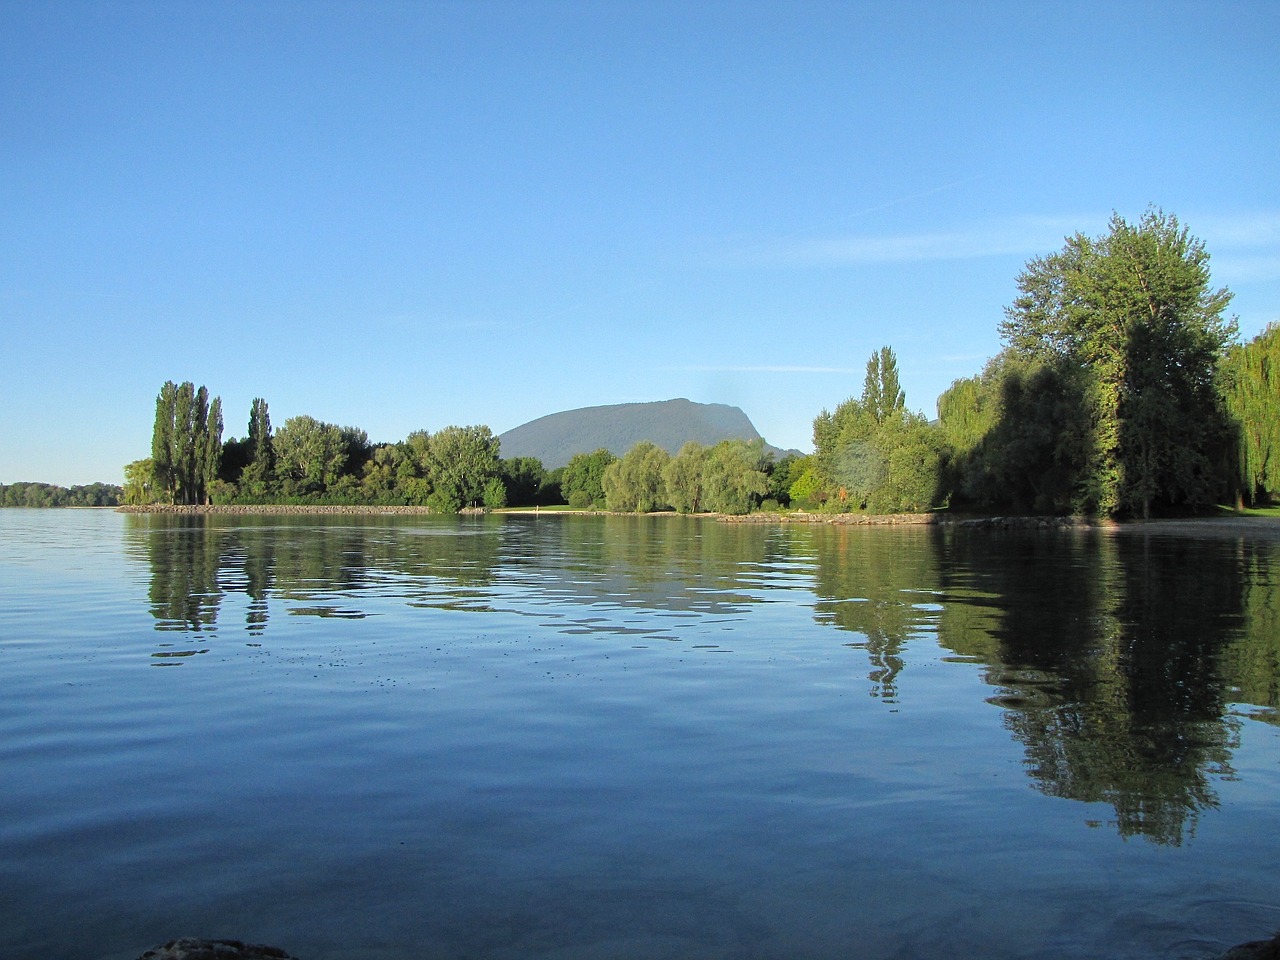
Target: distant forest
(1122, 390)
(51, 495)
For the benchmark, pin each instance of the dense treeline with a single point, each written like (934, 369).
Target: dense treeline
(52, 495)
(1120, 391)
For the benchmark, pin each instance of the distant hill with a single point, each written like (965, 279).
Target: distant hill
(555, 438)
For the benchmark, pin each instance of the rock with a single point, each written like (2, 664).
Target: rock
(189, 948)
(1257, 950)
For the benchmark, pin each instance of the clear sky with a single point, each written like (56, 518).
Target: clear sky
(401, 216)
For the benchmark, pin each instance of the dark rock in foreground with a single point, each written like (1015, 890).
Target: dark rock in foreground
(189, 948)
(1257, 950)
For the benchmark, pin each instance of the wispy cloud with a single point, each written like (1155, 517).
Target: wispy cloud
(1244, 248)
(761, 369)
(1022, 236)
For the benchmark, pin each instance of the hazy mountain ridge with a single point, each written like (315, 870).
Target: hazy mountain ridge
(555, 438)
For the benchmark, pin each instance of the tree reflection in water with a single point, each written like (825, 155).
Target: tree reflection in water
(1118, 659)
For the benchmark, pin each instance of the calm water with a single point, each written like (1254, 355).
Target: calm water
(567, 737)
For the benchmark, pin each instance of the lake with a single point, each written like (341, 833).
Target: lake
(613, 737)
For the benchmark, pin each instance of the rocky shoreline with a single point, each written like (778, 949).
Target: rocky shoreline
(193, 949)
(1229, 526)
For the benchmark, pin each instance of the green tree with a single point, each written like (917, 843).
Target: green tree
(683, 478)
(259, 475)
(635, 483)
(733, 476)
(460, 462)
(582, 480)
(1133, 311)
(186, 443)
(872, 453)
(139, 483)
(1251, 388)
(523, 477)
(882, 396)
(162, 452)
(310, 456)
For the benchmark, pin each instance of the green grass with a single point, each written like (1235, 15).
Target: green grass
(1271, 510)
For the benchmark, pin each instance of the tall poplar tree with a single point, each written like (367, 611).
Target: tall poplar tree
(186, 442)
(260, 472)
(212, 458)
(162, 441)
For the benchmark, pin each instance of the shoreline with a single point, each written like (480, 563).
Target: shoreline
(1262, 527)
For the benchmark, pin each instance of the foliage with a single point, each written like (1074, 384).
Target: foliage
(1250, 380)
(683, 478)
(783, 473)
(582, 480)
(310, 455)
(460, 462)
(635, 483)
(871, 452)
(733, 476)
(1129, 320)
(26, 494)
(524, 478)
(139, 483)
(186, 443)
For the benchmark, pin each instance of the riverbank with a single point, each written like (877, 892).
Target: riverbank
(1228, 526)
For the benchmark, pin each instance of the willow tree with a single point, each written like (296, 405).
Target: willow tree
(635, 483)
(1133, 312)
(1251, 388)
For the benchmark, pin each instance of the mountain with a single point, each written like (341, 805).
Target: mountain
(555, 438)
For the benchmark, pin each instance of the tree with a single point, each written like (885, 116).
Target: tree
(1133, 312)
(211, 455)
(683, 478)
(635, 483)
(186, 443)
(162, 465)
(871, 453)
(582, 480)
(1251, 388)
(139, 482)
(310, 455)
(259, 474)
(523, 477)
(782, 474)
(460, 462)
(882, 397)
(733, 477)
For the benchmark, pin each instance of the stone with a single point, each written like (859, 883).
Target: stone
(190, 948)
(1257, 950)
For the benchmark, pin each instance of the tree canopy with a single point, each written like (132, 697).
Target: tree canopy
(1130, 321)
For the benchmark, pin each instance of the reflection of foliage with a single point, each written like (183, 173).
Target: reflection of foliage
(1250, 664)
(1111, 654)
(184, 589)
(868, 579)
(1107, 662)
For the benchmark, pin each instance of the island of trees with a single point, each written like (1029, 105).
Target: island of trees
(1121, 391)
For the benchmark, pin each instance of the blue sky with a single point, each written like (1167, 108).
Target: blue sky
(400, 216)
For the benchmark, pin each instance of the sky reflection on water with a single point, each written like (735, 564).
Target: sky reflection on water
(569, 736)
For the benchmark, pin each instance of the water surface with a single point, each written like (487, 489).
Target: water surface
(592, 737)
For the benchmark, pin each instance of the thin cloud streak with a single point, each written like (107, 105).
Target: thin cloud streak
(1024, 236)
(760, 369)
(1258, 233)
